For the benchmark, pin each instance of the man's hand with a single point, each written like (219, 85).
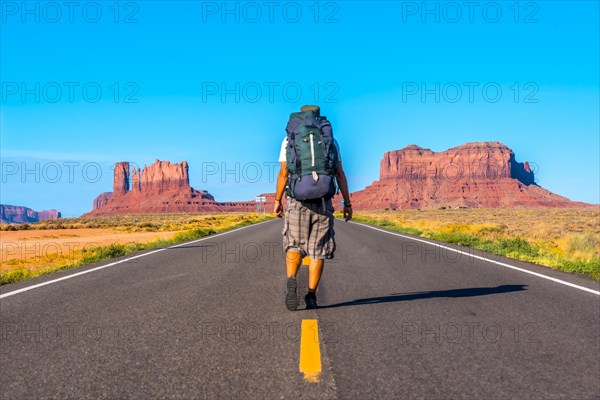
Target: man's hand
(278, 209)
(347, 213)
(281, 182)
(340, 176)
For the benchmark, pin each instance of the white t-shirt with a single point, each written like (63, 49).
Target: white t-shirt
(282, 157)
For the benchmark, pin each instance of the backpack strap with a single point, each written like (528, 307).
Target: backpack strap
(291, 137)
(297, 165)
(322, 141)
(324, 123)
(312, 154)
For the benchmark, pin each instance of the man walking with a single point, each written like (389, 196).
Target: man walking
(310, 165)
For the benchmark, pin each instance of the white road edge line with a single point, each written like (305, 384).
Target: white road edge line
(25, 289)
(596, 292)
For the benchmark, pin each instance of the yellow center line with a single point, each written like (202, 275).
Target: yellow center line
(310, 352)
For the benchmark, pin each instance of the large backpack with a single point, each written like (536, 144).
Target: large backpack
(311, 157)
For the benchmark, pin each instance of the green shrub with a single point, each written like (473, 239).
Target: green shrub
(517, 246)
(14, 276)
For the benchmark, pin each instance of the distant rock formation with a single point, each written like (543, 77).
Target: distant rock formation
(121, 179)
(20, 215)
(157, 188)
(479, 174)
(101, 200)
(485, 160)
(48, 214)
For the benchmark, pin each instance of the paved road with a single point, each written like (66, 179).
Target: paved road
(398, 319)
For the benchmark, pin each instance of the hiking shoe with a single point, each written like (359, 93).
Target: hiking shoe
(311, 301)
(291, 296)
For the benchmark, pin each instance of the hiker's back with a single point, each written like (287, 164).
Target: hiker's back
(311, 156)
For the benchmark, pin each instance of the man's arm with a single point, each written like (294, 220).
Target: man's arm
(281, 182)
(340, 176)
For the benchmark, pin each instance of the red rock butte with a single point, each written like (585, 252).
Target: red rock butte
(19, 214)
(478, 174)
(161, 187)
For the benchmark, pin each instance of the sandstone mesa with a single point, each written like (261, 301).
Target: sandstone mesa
(161, 187)
(21, 215)
(476, 174)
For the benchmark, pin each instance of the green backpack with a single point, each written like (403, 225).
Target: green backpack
(311, 157)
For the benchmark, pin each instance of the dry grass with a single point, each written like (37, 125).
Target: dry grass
(47, 246)
(137, 222)
(34, 249)
(566, 239)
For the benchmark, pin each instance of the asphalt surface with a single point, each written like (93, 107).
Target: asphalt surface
(398, 319)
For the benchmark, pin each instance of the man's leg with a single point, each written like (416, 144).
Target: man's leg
(315, 269)
(321, 245)
(294, 231)
(293, 259)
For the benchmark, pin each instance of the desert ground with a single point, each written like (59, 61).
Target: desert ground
(29, 250)
(45, 248)
(566, 239)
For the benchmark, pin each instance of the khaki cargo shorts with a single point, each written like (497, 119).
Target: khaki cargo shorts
(308, 228)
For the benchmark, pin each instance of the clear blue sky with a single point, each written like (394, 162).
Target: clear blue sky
(365, 58)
